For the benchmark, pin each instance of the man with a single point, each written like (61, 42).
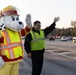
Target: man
(35, 46)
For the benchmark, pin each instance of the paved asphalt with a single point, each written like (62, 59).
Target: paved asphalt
(25, 68)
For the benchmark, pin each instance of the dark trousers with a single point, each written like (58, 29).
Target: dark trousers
(37, 63)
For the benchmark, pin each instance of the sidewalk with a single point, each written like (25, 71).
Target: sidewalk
(25, 68)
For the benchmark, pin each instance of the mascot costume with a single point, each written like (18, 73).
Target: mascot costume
(11, 49)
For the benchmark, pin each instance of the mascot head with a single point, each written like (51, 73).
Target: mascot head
(9, 18)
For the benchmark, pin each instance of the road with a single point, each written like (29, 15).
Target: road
(59, 58)
(67, 49)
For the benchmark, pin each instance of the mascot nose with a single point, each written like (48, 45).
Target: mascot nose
(20, 23)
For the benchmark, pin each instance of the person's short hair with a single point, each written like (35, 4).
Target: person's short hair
(36, 22)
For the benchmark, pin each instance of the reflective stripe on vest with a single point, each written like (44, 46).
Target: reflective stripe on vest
(9, 46)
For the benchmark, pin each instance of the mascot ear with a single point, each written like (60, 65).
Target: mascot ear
(28, 20)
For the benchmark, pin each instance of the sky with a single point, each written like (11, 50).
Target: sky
(45, 11)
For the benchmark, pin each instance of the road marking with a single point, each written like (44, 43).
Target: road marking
(61, 54)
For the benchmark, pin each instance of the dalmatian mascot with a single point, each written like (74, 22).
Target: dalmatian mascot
(11, 49)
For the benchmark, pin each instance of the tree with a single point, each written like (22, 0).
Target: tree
(73, 24)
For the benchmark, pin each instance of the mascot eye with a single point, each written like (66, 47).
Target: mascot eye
(13, 18)
(17, 18)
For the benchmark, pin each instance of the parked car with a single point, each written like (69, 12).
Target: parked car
(51, 38)
(63, 38)
(74, 39)
(69, 38)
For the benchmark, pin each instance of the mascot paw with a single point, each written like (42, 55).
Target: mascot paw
(28, 20)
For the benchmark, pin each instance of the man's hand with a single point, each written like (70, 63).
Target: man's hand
(28, 20)
(29, 55)
(56, 19)
(1, 62)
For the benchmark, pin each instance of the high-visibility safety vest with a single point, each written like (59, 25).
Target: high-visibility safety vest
(12, 46)
(37, 42)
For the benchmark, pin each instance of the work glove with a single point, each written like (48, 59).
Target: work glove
(28, 20)
(56, 19)
(1, 62)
